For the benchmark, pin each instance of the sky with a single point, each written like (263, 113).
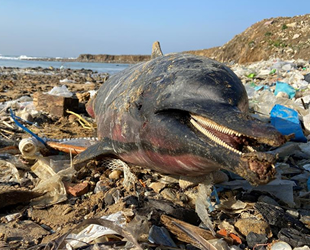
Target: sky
(68, 28)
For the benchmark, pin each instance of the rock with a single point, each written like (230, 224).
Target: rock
(307, 78)
(292, 25)
(78, 189)
(305, 220)
(156, 50)
(280, 245)
(253, 238)
(169, 194)
(247, 225)
(157, 186)
(276, 216)
(294, 237)
(115, 174)
(302, 248)
(189, 181)
(101, 186)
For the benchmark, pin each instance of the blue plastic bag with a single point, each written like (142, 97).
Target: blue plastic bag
(286, 88)
(286, 121)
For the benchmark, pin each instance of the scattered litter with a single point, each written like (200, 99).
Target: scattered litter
(8, 172)
(160, 236)
(39, 188)
(286, 121)
(286, 88)
(60, 91)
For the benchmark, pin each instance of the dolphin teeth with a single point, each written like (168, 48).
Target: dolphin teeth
(251, 149)
(213, 137)
(206, 122)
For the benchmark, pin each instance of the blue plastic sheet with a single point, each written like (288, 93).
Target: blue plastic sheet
(286, 121)
(286, 88)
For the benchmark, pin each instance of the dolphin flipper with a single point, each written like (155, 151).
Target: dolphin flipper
(101, 148)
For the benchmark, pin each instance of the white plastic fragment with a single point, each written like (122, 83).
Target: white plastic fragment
(93, 231)
(280, 245)
(60, 91)
(8, 172)
(30, 147)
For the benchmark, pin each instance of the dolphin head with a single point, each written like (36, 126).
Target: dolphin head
(196, 109)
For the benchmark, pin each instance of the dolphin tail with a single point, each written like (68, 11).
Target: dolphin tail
(156, 50)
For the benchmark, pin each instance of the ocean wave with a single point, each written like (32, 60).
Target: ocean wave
(22, 57)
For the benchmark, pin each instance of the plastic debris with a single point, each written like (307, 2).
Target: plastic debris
(30, 147)
(60, 91)
(51, 183)
(8, 172)
(93, 231)
(160, 236)
(286, 121)
(280, 245)
(286, 88)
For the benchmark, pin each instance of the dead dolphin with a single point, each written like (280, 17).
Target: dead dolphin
(181, 114)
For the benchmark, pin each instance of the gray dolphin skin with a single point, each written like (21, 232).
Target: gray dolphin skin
(181, 114)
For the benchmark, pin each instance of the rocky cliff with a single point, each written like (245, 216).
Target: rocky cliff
(113, 58)
(282, 37)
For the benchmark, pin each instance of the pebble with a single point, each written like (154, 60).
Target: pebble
(115, 174)
(157, 186)
(247, 225)
(302, 248)
(253, 238)
(280, 245)
(189, 181)
(169, 194)
(101, 186)
(306, 221)
(78, 189)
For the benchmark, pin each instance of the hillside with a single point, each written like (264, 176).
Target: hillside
(282, 37)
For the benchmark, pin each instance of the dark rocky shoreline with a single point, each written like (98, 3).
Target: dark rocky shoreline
(102, 58)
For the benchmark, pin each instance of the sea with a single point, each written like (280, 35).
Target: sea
(23, 61)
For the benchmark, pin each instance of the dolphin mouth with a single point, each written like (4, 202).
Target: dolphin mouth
(228, 138)
(255, 166)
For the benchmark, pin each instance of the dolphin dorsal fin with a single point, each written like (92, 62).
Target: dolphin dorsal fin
(156, 50)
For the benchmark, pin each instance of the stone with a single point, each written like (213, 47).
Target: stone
(302, 248)
(305, 220)
(157, 186)
(169, 194)
(280, 245)
(248, 225)
(307, 78)
(253, 238)
(292, 25)
(101, 186)
(115, 174)
(156, 50)
(189, 181)
(78, 189)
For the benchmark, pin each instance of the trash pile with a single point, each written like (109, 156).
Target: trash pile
(48, 203)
